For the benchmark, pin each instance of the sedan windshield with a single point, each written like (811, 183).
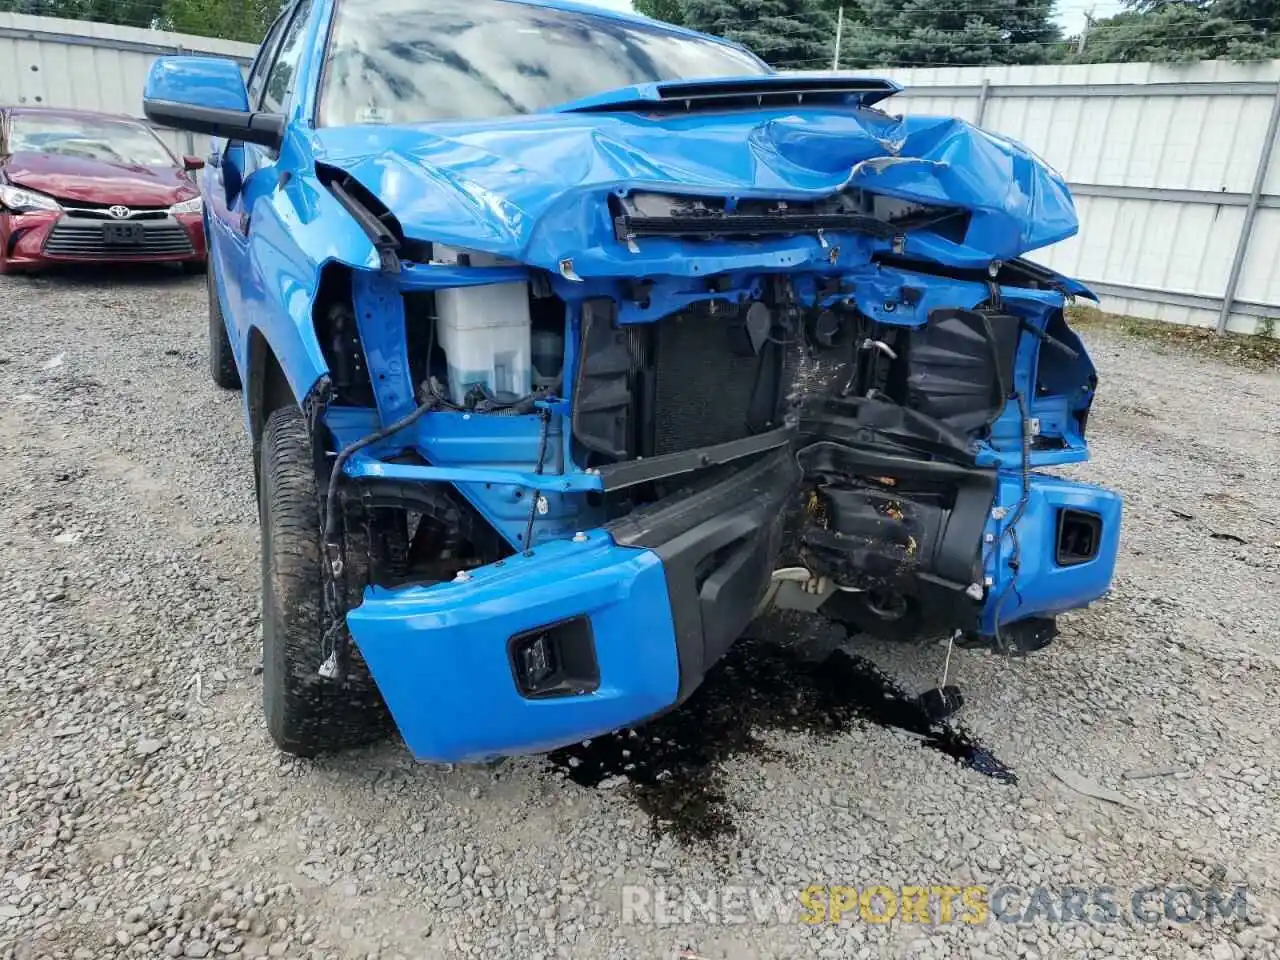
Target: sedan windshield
(406, 61)
(89, 138)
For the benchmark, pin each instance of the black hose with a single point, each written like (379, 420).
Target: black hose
(1003, 389)
(333, 554)
(1024, 416)
(1012, 528)
(347, 452)
(542, 457)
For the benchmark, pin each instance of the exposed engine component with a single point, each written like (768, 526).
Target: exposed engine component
(888, 524)
(486, 333)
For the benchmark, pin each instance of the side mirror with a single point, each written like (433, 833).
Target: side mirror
(207, 95)
(192, 163)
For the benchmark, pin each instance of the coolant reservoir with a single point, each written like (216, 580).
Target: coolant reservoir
(485, 332)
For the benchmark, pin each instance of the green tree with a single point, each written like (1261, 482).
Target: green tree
(1175, 32)
(669, 10)
(245, 20)
(789, 34)
(945, 32)
(1259, 15)
(129, 13)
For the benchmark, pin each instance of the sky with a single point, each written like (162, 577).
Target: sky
(1070, 13)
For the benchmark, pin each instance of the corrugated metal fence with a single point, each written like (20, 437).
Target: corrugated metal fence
(1175, 180)
(1172, 169)
(92, 66)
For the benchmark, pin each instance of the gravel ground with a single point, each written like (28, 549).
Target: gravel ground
(146, 813)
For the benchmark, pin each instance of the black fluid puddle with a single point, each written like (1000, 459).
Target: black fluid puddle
(671, 763)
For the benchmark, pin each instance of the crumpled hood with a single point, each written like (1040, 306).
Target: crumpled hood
(97, 181)
(534, 188)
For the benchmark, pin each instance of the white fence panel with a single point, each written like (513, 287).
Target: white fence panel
(1162, 161)
(46, 61)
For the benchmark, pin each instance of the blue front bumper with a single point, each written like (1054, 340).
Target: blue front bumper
(1027, 576)
(665, 598)
(440, 655)
(665, 591)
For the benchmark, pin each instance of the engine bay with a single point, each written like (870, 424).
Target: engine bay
(895, 409)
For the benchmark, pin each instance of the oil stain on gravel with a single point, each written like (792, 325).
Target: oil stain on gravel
(672, 763)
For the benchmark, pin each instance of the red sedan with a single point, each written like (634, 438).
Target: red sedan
(91, 187)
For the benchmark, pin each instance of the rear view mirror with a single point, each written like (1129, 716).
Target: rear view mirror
(207, 95)
(192, 163)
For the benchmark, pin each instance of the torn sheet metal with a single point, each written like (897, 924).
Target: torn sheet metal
(534, 188)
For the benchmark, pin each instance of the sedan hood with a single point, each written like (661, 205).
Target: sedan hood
(96, 181)
(535, 188)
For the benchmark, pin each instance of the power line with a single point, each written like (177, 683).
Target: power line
(1098, 29)
(1088, 22)
(811, 17)
(951, 65)
(1096, 24)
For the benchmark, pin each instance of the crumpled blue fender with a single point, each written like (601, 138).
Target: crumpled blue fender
(1019, 203)
(298, 230)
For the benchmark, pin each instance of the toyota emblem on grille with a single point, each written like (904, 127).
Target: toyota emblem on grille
(119, 212)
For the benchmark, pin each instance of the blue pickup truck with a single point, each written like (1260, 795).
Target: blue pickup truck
(571, 343)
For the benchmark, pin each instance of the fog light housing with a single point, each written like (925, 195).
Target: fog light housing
(1079, 537)
(537, 659)
(555, 660)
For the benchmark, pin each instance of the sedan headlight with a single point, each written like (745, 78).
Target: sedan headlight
(194, 205)
(22, 200)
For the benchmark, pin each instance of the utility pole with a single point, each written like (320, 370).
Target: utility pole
(835, 60)
(1088, 24)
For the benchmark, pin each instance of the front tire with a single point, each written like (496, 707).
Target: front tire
(222, 362)
(306, 714)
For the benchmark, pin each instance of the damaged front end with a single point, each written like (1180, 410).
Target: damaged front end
(626, 416)
(898, 456)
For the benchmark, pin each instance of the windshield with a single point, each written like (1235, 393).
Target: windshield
(404, 61)
(91, 138)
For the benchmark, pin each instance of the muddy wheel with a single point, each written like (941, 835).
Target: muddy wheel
(222, 364)
(306, 714)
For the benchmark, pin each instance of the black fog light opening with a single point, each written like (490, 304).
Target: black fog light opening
(555, 660)
(15, 237)
(1079, 537)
